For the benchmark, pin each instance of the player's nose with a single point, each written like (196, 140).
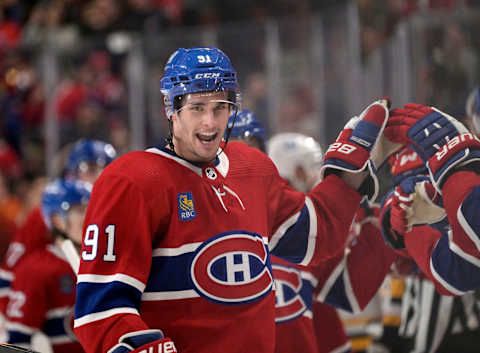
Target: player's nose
(208, 118)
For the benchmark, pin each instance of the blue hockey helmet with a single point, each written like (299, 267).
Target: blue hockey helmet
(473, 109)
(246, 125)
(198, 70)
(90, 151)
(61, 195)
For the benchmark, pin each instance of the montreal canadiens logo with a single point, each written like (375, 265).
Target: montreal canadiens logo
(288, 301)
(232, 268)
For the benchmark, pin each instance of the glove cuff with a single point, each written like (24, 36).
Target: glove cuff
(165, 345)
(459, 151)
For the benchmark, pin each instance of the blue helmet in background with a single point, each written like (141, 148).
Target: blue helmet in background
(90, 151)
(198, 70)
(246, 125)
(61, 195)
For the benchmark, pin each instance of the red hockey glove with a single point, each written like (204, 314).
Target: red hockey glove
(391, 237)
(352, 150)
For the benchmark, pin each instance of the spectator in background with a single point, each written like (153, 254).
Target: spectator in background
(450, 70)
(49, 20)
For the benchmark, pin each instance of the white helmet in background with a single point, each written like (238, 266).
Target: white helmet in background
(298, 158)
(472, 108)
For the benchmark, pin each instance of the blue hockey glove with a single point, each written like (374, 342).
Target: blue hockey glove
(439, 139)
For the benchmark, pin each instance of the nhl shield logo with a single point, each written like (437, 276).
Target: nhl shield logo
(232, 268)
(186, 206)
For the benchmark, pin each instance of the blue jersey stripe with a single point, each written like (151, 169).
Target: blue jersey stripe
(469, 210)
(170, 273)
(55, 327)
(454, 269)
(16, 337)
(98, 297)
(337, 295)
(294, 243)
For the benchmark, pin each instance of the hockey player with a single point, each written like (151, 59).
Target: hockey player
(175, 236)
(87, 159)
(42, 294)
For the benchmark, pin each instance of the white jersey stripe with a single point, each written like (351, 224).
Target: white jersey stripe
(459, 251)
(352, 299)
(59, 312)
(60, 339)
(186, 248)
(6, 275)
(468, 230)
(173, 295)
(119, 277)
(308, 313)
(282, 229)
(15, 326)
(331, 280)
(312, 232)
(86, 319)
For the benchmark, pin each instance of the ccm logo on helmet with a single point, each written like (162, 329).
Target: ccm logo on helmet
(232, 268)
(208, 75)
(288, 301)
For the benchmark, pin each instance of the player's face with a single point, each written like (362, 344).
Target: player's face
(74, 226)
(89, 172)
(198, 127)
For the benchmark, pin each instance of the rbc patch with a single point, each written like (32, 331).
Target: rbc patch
(186, 207)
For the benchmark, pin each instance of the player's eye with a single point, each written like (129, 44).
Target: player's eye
(196, 108)
(221, 107)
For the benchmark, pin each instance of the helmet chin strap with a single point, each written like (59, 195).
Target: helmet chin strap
(229, 131)
(61, 234)
(169, 138)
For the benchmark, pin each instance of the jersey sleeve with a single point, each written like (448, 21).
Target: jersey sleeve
(452, 259)
(329, 330)
(115, 263)
(310, 228)
(343, 281)
(27, 305)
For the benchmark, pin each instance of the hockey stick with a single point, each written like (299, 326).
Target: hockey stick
(7, 348)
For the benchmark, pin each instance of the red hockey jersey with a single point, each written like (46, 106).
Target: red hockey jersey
(181, 247)
(31, 236)
(42, 297)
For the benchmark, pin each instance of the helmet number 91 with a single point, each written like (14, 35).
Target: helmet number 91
(202, 59)
(90, 243)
